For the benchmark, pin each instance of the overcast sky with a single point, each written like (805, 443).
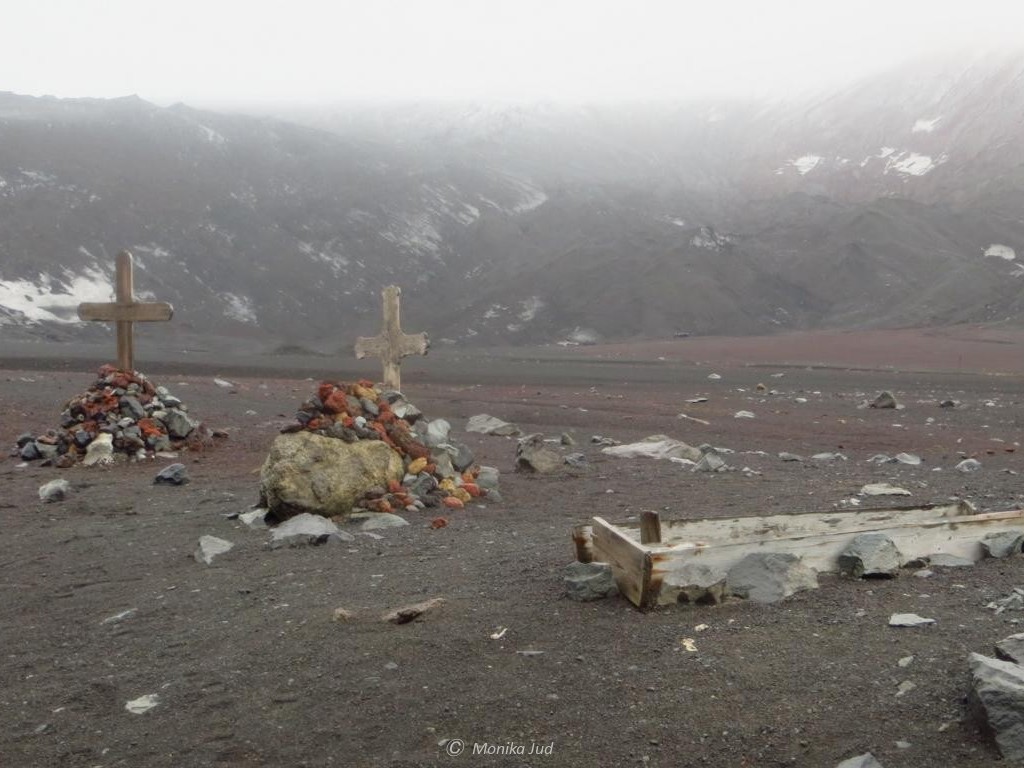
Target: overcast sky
(238, 52)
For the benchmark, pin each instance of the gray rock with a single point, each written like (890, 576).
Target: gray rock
(305, 472)
(25, 438)
(885, 400)
(369, 406)
(490, 425)
(82, 438)
(55, 490)
(589, 581)
(533, 456)
(576, 460)
(255, 518)
(767, 577)
(867, 760)
(996, 700)
(1011, 648)
(306, 530)
(463, 458)
(100, 450)
(909, 459)
(436, 433)
(828, 457)
(949, 403)
(949, 561)
(695, 583)
(908, 620)
(210, 547)
(709, 462)
(179, 424)
(1002, 544)
(786, 456)
(46, 450)
(423, 484)
(870, 554)
(380, 520)
(605, 441)
(443, 460)
(488, 478)
(968, 465)
(30, 451)
(567, 440)
(406, 411)
(173, 474)
(130, 406)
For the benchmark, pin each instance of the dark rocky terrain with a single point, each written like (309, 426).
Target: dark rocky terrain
(872, 206)
(103, 603)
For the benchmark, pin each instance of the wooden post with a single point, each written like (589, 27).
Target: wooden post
(125, 311)
(391, 345)
(583, 539)
(650, 528)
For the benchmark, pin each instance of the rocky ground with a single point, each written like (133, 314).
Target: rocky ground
(252, 665)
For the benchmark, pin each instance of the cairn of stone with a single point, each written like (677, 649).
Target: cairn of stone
(121, 416)
(437, 472)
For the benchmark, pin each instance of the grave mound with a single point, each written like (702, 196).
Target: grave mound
(437, 472)
(122, 416)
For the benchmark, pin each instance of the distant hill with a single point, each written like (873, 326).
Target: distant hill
(899, 201)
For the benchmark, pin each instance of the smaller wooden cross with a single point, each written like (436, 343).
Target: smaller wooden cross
(125, 311)
(391, 345)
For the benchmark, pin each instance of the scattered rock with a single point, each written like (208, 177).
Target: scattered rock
(654, 447)
(710, 462)
(1001, 544)
(785, 456)
(870, 554)
(867, 760)
(908, 620)
(567, 440)
(949, 561)
(532, 455)
(1012, 602)
(1011, 648)
(767, 577)
(412, 612)
(340, 614)
(142, 704)
(601, 440)
(210, 547)
(828, 457)
(173, 474)
(714, 376)
(306, 529)
(254, 518)
(908, 458)
(883, 489)
(490, 425)
(968, 465)
(437, 433)
(997, 701)
(576, 460)
(376, 521)
(696, 584)
(743, 415)
(949, 403)
(905, 662)
(55, 490)
(589, 581)
(885, 400)
(905, 687)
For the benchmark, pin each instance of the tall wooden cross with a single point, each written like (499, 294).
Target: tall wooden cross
(391, 345)
(125, 311)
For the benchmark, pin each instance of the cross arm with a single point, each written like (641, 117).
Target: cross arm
(135, 312)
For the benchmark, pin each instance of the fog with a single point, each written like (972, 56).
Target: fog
(238, 53)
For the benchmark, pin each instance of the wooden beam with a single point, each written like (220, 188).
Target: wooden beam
(113, 313)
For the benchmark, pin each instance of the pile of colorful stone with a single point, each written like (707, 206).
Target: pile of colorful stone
(122, 415)
(437, 471)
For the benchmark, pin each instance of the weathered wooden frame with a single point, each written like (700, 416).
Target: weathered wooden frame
(644, 557)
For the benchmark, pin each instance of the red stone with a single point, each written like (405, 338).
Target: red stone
(335, 402)
(452, 503)
(439, 522)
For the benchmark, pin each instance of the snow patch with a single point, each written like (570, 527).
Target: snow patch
(709, 240)
(530, 308)
(52, 299)
(239, 308)
(911, 164)
(806, 163)
(925, 126)
(211, 135)
(1001, 252)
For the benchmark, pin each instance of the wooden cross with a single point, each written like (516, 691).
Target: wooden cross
(391, 345)
(125, 311)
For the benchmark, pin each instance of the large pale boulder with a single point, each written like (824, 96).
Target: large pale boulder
(306, 472)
